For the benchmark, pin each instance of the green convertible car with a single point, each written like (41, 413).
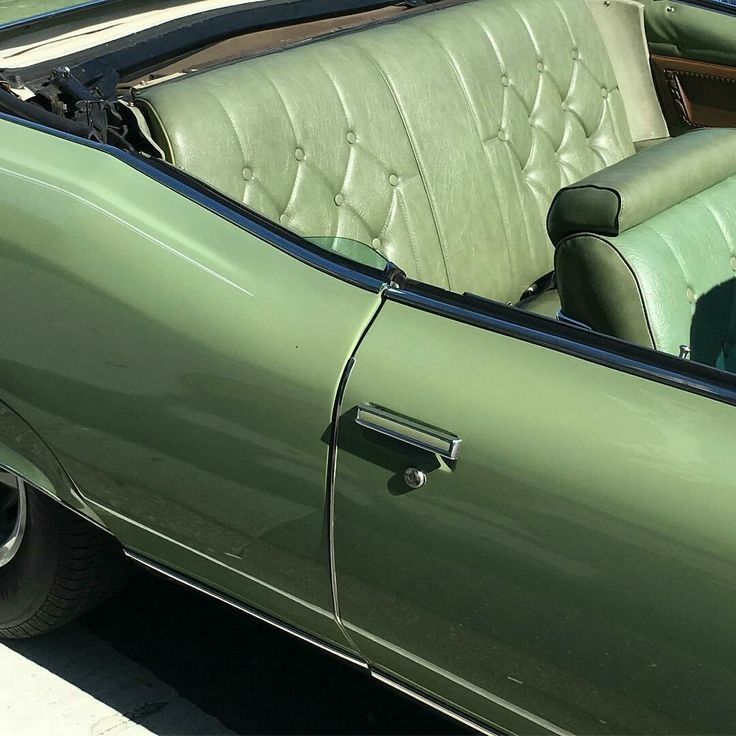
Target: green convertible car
(408, 327)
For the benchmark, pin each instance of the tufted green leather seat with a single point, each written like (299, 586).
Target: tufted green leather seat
(440, 139)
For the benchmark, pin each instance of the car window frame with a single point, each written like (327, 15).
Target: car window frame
(393, 285)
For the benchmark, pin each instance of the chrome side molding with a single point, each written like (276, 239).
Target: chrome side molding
(430, 703)
(200, 588)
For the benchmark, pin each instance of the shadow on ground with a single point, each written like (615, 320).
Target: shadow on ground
(251, 677)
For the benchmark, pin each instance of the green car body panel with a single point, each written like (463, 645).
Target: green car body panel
(577, 560)
(571, 570)
(13, 10)
(175, 377)
(153, 371)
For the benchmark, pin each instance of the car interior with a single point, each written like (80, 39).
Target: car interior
(570, 158)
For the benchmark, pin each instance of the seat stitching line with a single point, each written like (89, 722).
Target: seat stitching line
(596, 79)
(401, 204)
(491, 41)
(392, 92)
(235, 131)
(296, 139)
(349, 121)
(474, 117)
(412, 235)
(374, 157)
(729, 322)
(665, 239)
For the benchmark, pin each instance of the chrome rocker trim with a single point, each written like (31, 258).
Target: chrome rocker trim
(199, 587)
(377, 675)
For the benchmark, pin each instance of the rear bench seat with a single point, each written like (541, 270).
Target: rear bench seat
(440, 139)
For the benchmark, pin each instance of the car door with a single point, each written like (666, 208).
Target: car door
(535, 530)
(693, 55)
(181, 361)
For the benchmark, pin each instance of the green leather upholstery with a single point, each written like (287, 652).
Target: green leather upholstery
(440, 139)
(632, 191)
(667, 281)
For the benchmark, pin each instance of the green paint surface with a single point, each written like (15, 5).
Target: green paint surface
(12, 10)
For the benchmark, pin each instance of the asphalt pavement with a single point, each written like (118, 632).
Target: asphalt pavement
(161, 659)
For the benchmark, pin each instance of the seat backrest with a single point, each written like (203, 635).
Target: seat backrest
(646, 249)
(440, 139)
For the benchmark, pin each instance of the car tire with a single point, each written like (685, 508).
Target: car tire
(61, 566)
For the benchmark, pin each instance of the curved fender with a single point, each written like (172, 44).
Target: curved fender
(25, 454)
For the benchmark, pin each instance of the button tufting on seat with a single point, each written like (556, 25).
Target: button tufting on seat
(393, 180)
(733, 262)
(564, 107)
(690, 295)
(376, 243)
(604, 93)
(575, 54)
(247, 174)
(445, 53)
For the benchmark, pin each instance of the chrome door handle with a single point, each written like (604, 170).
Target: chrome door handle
(406, 430)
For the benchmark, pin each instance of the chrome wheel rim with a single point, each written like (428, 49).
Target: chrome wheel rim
(13, 512)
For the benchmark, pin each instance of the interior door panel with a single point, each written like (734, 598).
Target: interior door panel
(693, 57)
(695, 94)
(692, 30)
(563, 570)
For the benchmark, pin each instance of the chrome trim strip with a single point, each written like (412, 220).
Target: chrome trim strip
(52, 495)
(239, 215)
(331, 478)
(222, 598)
(289, 596)
(409, 431)
(10, 547)
(390, 682)
(591, 346)
(330, 492)
(540, 723)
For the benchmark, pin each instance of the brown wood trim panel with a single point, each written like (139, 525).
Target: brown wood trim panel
(695, 94)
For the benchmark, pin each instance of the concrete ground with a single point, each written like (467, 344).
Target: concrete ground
(161, 659)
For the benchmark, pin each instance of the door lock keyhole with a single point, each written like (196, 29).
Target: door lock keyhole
(414, 478)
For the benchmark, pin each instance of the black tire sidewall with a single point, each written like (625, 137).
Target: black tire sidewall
(27, 580)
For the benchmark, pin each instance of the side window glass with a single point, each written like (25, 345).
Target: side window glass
(352, 249)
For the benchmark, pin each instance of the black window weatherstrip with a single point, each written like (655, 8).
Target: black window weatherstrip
(193, 189)
(494, 316)
(591, 346)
